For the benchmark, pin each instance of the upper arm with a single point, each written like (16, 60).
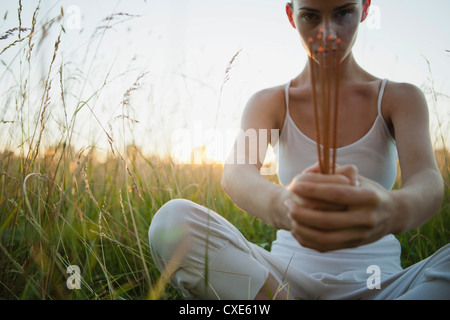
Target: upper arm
(410, 119)
(260, 121)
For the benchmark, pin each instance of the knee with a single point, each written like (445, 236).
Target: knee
(171, 214)
(170, 222)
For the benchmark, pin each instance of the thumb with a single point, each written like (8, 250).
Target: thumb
(315, 168)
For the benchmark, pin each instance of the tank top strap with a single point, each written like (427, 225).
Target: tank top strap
(380, 96)
(286, 93)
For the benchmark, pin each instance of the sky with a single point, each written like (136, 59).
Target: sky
(181, 48)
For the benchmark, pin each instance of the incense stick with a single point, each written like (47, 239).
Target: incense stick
(325, 127)
(312, 65)
(336, 101)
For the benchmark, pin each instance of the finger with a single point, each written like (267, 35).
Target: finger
(321, 205)
(350, 171)
(326, 241)
(330, 220)
(315, 168)
(338, 194)
(320, 178)
(295, 202)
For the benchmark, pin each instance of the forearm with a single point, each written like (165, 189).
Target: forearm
(417, 201)
(254, 194)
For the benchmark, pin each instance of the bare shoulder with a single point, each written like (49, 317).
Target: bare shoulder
(405, 107)
(401, 97)
(265, 109)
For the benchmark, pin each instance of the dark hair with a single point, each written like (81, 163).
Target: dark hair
(292, 2)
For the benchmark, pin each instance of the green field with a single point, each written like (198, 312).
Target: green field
(76, 211)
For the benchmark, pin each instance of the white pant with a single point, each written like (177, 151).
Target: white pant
(215, 261)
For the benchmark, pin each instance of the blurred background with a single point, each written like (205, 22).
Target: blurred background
(179, 51)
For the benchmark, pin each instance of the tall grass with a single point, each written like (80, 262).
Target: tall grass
(82, 218)
(60, 205)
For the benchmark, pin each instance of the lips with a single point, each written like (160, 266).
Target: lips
(317, 53)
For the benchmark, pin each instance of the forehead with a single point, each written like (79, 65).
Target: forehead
(318, 4)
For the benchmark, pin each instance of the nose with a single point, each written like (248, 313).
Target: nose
(328, 29)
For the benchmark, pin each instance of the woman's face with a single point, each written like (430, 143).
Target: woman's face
(337, 18)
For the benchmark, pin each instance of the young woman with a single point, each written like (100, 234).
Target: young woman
(336, 232)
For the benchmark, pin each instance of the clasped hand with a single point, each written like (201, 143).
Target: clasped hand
(343, 210)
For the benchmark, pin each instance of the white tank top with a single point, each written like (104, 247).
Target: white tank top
(375, 154)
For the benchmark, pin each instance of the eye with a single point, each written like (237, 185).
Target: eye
(308, 16)
(344, 13)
